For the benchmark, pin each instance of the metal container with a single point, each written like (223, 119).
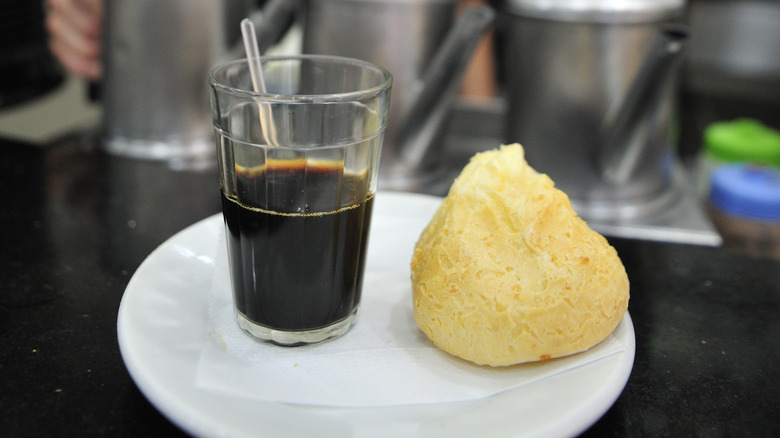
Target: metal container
(425, 48)
(157, 57)
(569, 67)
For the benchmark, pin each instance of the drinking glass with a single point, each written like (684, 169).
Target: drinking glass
(298, 164)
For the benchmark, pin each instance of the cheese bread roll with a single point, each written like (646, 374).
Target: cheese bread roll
(506, 272)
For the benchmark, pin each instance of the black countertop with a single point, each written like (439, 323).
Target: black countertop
(76, 223)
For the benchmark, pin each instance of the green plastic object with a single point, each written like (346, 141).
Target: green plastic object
(743, 140)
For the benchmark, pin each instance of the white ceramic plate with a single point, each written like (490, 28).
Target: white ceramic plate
(162, 328)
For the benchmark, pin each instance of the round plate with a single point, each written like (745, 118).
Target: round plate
(162, 329)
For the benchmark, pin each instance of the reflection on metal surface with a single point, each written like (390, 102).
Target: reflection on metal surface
(682, 220)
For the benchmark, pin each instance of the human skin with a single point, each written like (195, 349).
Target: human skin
(74, 28)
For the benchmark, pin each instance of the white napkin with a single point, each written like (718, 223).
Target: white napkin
(383, 361)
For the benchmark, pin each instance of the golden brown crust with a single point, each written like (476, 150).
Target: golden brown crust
(506, 272)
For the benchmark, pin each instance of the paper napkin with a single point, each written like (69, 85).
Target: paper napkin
(383, 361)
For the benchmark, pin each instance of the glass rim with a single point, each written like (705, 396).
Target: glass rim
(384, 84)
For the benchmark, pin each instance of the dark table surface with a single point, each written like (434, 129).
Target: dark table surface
(76, 224)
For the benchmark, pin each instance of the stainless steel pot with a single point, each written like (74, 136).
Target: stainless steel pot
(157, 55)
(579, 105)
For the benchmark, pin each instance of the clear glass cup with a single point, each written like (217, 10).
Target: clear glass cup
(298, 168)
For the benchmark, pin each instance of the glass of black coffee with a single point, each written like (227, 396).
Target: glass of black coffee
(298, 173)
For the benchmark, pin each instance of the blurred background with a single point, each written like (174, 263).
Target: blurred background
(730, 70)
(39, 101)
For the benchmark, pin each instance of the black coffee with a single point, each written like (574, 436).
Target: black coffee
(297, 264)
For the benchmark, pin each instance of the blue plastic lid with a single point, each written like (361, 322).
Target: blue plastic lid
(745, 190)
